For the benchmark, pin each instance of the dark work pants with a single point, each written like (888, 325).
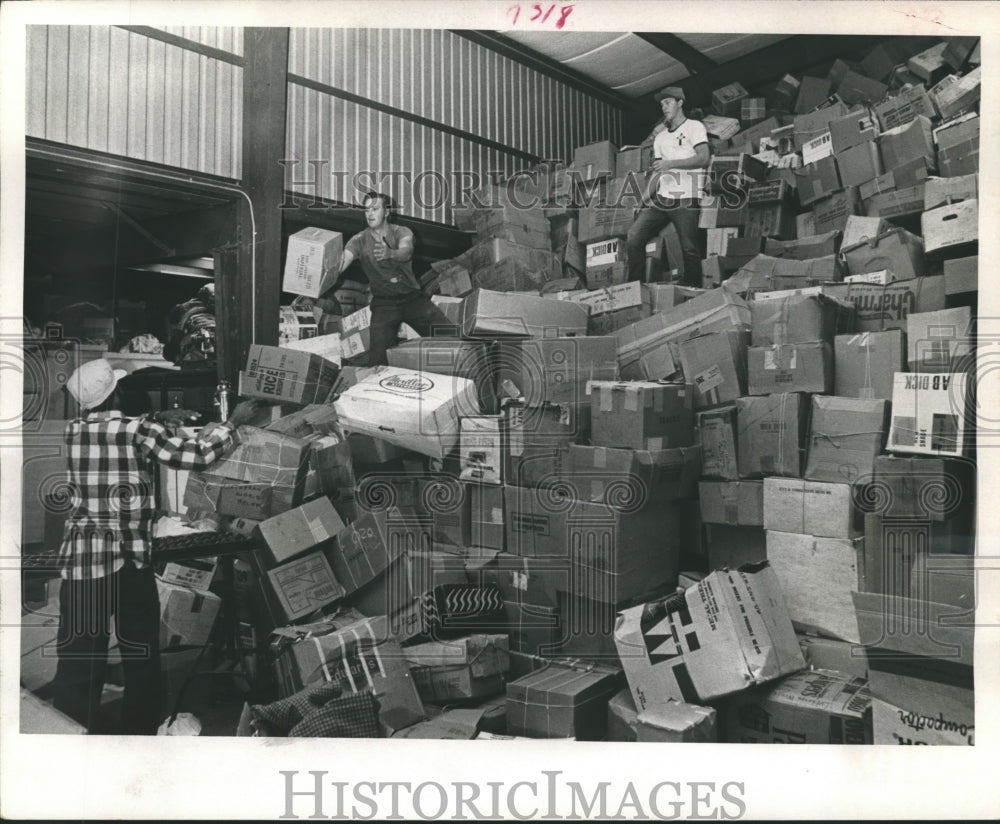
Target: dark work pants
(419, 312)
(683, 213)
(85, 611)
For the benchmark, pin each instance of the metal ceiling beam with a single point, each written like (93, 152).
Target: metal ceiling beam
(546, 65)
(672, 46)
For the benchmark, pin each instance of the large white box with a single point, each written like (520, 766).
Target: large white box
(312, 262)
(931, 414)
(415, 410)
(730, 631)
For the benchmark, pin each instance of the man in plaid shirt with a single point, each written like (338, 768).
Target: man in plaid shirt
(105, 554)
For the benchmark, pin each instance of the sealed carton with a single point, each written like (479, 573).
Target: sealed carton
(887, 307)
(312, 262)
(715, 432)
(897, 250)
(826, 510)
(906, 142)
(535, 438)
(607, 475)
(897, 203)
(930, 414)
(726, 100)
(817, 707)
(960, 159)
(739, 503)
(676, 722)
(910, 484)
(281, 375)
(865, 364)
(950, 226)
(855, 128)
(304, 585)
(469, 667)
(703, 643)
(831, 212)
(601, 222)
(796, 319)
(595, 159)
(463, 359)
(532, 581)
(365, 548)
(940, 341)
(415, 410)
(830, 654)
(920, 658)
(817, 576)
(845, 435)
(555, 370)
(790, 367)
(641, 414)
(961, 275)
(486, 313)
(956, 94)
(297, 530)
(562, 702)
(187, 615)
(481, 449)
(859, 164)
(356, 653)
(816, 180)
(771, 431)
(715, 366)
(906, 106)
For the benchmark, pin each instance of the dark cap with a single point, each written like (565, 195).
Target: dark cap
(675, 92)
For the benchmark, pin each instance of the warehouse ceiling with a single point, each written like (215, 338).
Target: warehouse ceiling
(635, 64)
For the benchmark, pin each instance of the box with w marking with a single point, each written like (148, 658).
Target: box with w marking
(729, 632)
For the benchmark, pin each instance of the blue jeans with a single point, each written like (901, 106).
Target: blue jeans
(418, 311)
(683, 213)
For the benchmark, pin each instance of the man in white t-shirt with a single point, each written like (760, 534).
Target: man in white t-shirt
(680, 151)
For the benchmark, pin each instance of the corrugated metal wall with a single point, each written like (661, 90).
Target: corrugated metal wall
(108, 89)
(435, 75)
(119, 91)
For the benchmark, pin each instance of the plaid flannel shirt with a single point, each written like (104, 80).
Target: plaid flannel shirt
(112, 463)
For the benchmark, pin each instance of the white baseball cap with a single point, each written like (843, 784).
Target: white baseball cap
(93, 383)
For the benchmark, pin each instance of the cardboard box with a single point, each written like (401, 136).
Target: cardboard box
(740, 503)
(865, 363)
(302, 528)
(675, 722)
(365, 548)
(196, 573)
(770, 435)
(304, 585)
(796, 319)
(887, 307)
(838, 656)
(493, 314)
(614, 553)
(726, 100)
(855, 128)
(415, 410)
(729, 547)
(356, 654)
(962, 159)
(940, 191)
(818, 148)
(562, 702)
(940, 341)
(631, 476)
(702, 644)
(817, 576)
(481, 449)
(909, 482)
(487, 524)
(721, 127)
(906, 142)
(818, 707)
(961, 275)
(555, 370)
(856, 88)
(535, 440)
(804, 248)
(641, 414)
(790, 367)
(602, 277)
(715, 433)
(718, 238)
(859, 164)
(832, 212)
(282, 375)
(956, 94)
(769, 220)
(957, 132)
(601, 222)
(595, 159)
(907, 201)
(930, 414)
(910, 174)
(905, 107)
(470, 667)
(644, 348)
(812, 92)
(715, 366)
(465, 359)
(825, 510)
(927, 672)
(882, 277)
(312, 261)
(892, 725)
(845, 436)
(187, 615)
(949, 226)
(930, 63)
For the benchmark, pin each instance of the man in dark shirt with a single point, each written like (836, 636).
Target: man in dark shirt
(385, 252)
